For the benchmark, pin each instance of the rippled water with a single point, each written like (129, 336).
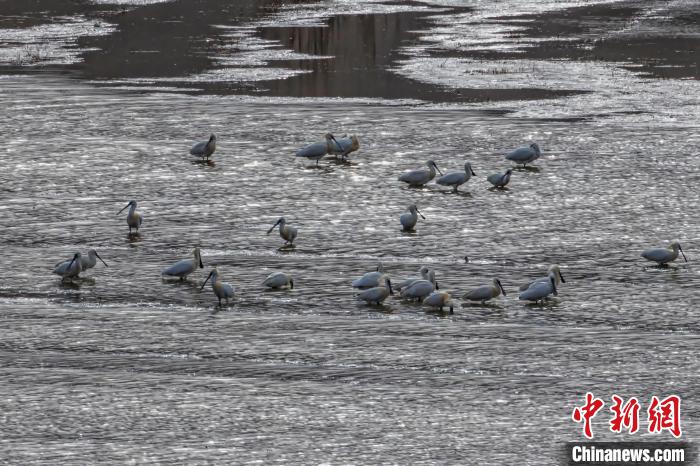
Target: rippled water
(124, 367)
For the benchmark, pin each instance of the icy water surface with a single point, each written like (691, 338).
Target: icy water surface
(122, 366)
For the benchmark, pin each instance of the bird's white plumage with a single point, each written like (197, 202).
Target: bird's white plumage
(664, 255)
(185, 267)
(420, 176)
(278, 280)
(456, 179)
(525, 154)
(500, 180)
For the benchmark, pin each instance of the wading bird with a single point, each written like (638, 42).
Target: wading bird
(370, 279)
(663, 256)
(345, 146)
(279, 280)
(377, 294)
(408, 220)
(540, 290)
(420, 176)
(205, 148)
(525, 154)
(457, 179)
(558, 277)
(133, 219)
(286, 232)
(86, 262)
(425, 275)
(420, 288)
(318, 150)
(185, 267)
(438, 300)
(221, 290)
(486, 292)
(498, 180)
(69, 269)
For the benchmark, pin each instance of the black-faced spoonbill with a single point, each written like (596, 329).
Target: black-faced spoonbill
(318, 150)
(205, 148)
(185, 267)
(408, 220)
(457, 179)
(69, 269)
(221, 290)
(133, 219)
(486, 292)
(558, 277)
(377, 294)
(370, 279)
(420, 176)
(286, 232)
(663, 256)
(498, 180)
(438, 300)
(540, 290)
(279, 280)
(525, 154)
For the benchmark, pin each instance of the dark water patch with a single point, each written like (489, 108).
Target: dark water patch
(594, 33)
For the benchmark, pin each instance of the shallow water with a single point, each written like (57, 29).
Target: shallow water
(122, 366)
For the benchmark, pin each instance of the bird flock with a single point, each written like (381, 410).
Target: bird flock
(375, 286)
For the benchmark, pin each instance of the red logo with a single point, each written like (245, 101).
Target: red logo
(662, 414)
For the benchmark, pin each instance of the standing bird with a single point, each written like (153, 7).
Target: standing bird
(221, 289)
(486, 292)
(554, 268)
(663, 256)
(498, 180)
(85, 262)
(425, 275)
(540, 290)
(370, 279)
(205, 148)
(185, 267)
(377, 294)
(420, 176)
(69, 269)
(286, 232)
(318, 150)
(279, 280)
(420, 288)
(345, 146)
(525, 154)
(439, 299)
(457, 179)
(133, 219)
(409, 219)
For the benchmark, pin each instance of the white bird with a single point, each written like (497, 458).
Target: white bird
(525, 154)
(205, 148)
(185, 267)
(498, 180)
(439, 299)
(69, 269)
(286, 232)
(420, 288)
(457, 179)
(318, 150)
(377, 294)
(662, 256)
(486, 292)
(221, 290)
(540, 289)
(420, 176)
(91, 260)
(370, 279)
(345, 146)
(133, 219)
(408, 220)
(278, 280)
(425, 275)
(86, 262)
(554, 268)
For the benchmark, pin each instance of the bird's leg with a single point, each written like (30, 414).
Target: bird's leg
(182, 279)
(219, 302)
